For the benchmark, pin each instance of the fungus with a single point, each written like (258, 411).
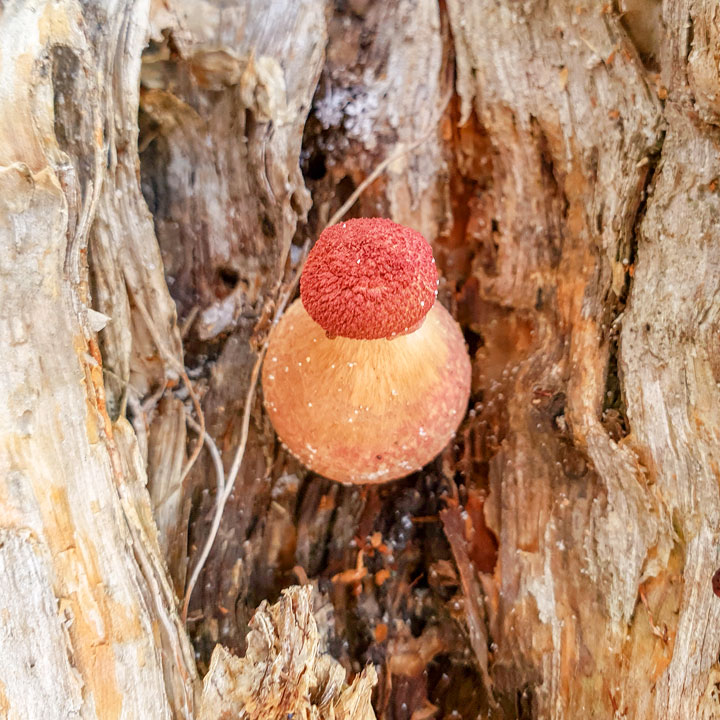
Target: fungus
(367, 378)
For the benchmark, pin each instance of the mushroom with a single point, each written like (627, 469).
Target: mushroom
(366, 377)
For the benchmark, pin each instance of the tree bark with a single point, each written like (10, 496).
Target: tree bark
(161, 166)
(90, 628)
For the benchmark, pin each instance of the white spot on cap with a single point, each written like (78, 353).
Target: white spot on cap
(271, 377)
(422, 303)
(309, 404)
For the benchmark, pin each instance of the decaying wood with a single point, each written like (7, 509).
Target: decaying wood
(285, 671)
(75, 513)
(576, 131)
(163, 159)
(218, 107)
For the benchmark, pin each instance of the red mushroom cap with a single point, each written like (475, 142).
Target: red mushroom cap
(369, 278)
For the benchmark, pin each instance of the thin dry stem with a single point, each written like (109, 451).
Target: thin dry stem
(179, 368)
(228, 484)
(214, 453)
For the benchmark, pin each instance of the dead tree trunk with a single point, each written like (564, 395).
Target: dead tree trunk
(161, 165)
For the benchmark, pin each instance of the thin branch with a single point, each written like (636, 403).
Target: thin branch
(214, 453)
(179, 369)
(380, 169)
(240, 452)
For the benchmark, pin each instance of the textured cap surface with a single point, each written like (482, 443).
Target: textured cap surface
(369, 278)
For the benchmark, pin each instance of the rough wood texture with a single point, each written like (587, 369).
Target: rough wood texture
(285, 671)
(225, 92)
(105, 639)
(588, 589)
(555, 562)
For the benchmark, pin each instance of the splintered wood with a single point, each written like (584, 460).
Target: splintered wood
(285, 672)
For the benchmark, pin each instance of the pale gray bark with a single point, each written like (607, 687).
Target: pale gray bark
(73, 487)
(570, 190)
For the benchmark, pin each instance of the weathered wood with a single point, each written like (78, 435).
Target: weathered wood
(224, 101)
(286, 672)
(150, 166)
(591, 538)
(72, 487)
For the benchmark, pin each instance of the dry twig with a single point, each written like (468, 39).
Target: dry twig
(179, 368)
